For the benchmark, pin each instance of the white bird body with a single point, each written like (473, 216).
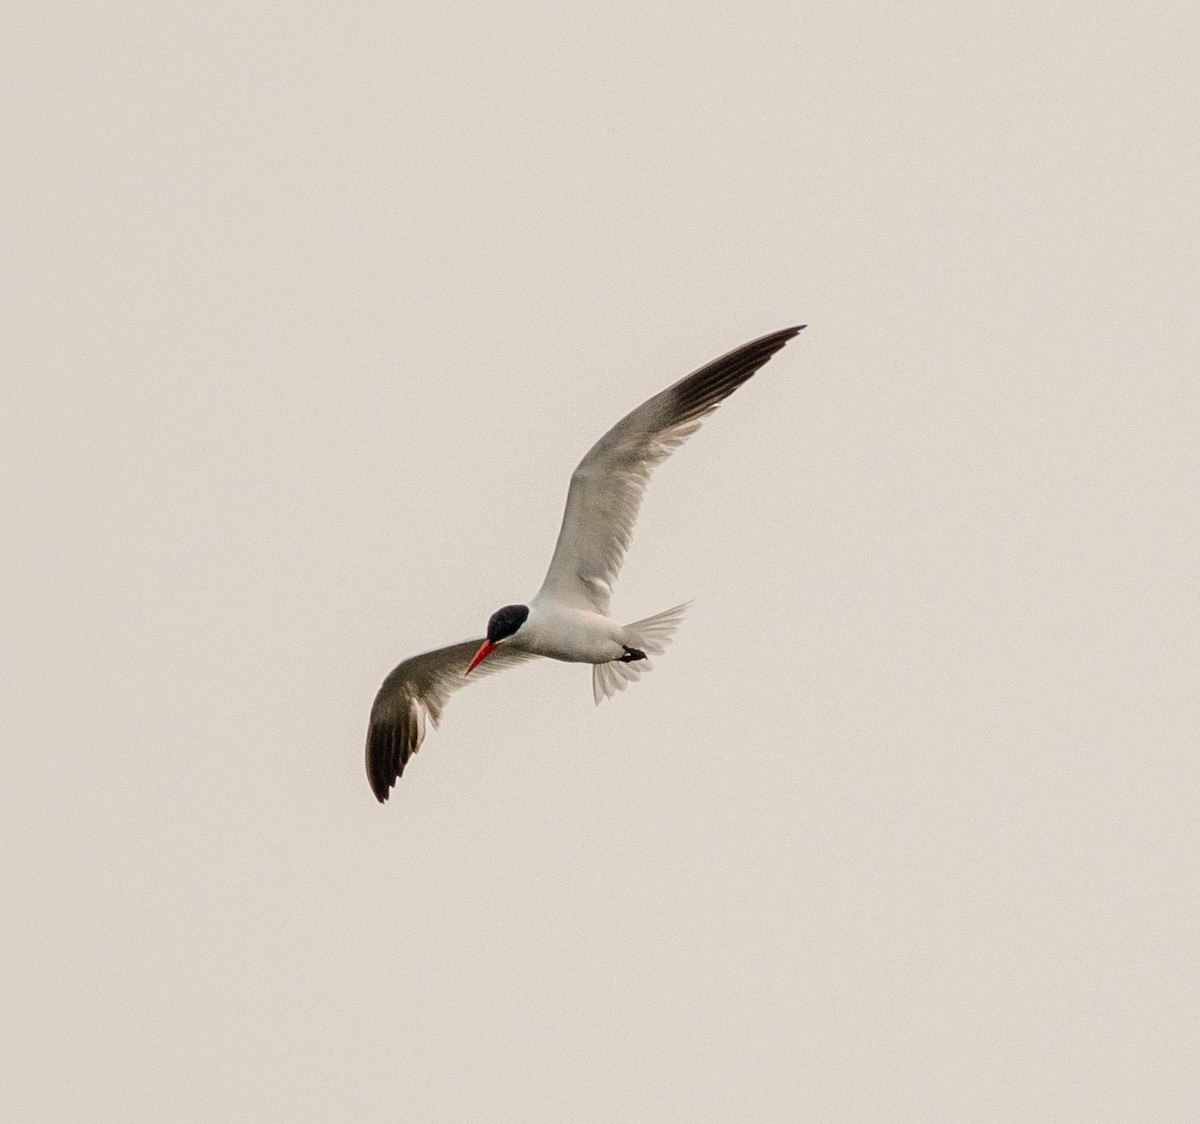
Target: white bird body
(568, 619)
(564, 632)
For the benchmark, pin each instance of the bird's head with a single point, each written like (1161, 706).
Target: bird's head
(502, 625)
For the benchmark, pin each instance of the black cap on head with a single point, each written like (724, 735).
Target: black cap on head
(504, 622)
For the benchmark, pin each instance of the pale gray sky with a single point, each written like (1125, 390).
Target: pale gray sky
(309, 312)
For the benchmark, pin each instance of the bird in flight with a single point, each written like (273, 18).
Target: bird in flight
(567, 619)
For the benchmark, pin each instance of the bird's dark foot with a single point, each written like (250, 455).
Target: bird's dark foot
(631, 655)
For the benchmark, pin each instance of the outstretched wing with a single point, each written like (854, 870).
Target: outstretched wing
(607, 487)
(416, 690)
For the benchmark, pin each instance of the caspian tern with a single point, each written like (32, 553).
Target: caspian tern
(567, 619)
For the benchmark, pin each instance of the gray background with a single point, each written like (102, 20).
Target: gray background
(310, 309)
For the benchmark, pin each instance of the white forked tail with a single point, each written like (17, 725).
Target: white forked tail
(652, 636)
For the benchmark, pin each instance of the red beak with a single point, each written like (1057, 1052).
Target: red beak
(485, 650)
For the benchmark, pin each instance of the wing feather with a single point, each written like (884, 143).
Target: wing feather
(607, 487)
(417, 691)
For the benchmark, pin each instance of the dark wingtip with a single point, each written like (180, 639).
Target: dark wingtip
(387, 754)
(764, 347)
(380, 775)
(701, 391)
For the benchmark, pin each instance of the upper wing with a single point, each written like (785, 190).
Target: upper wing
(607, 487)
(418, 688)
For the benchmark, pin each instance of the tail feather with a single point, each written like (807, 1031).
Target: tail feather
(654, 633)
(651, 635)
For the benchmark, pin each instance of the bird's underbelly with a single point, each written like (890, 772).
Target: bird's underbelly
(573, 635)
